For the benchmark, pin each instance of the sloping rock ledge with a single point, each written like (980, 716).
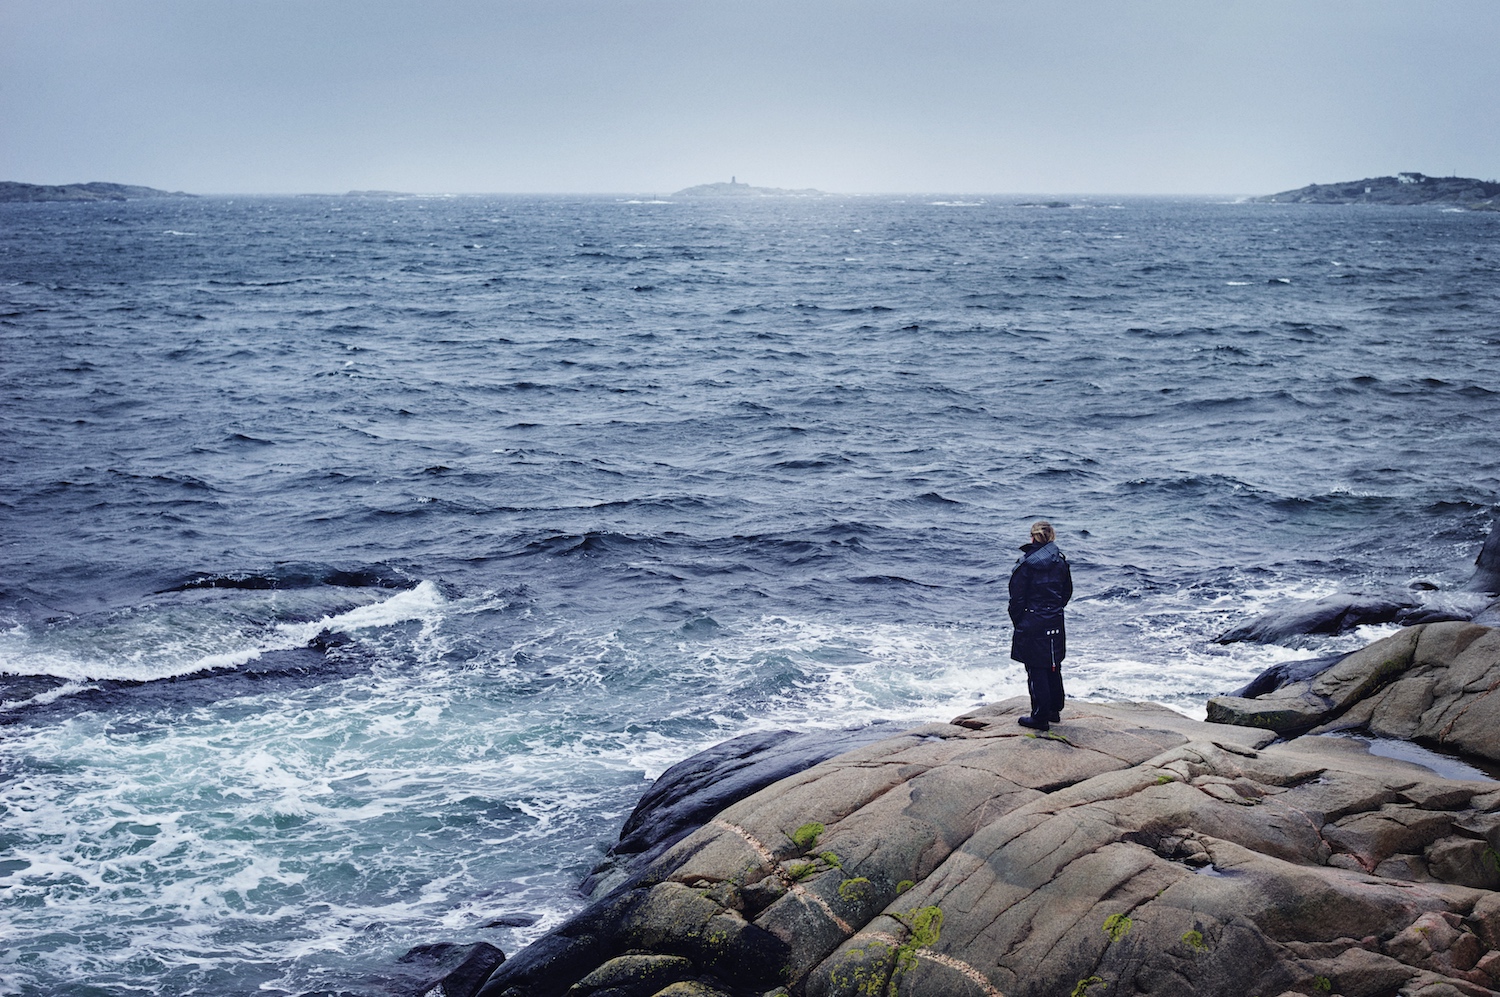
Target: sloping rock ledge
(1131, 848)
(1430, 683)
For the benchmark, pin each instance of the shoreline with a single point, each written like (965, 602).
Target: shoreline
(1192, 812)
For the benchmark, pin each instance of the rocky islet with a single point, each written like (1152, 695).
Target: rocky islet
(1403, 188)
(12, 191)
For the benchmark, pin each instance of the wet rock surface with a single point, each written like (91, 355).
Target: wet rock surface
(689, 793)
(440, 970)
(1130, 848)
(1487, 566)
(1340, 613)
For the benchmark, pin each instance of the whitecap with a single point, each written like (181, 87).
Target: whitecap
(173, 641)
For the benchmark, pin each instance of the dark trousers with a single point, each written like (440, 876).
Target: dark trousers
(1044, 682)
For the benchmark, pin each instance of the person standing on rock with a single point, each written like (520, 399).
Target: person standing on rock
(1041, 584)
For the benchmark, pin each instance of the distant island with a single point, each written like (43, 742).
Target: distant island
(1403, 188)
(735, 189)
(12, 191)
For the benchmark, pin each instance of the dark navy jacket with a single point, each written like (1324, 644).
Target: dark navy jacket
(1040, 586)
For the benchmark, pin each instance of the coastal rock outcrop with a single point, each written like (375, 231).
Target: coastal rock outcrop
(1130, 848)
(1487, 565)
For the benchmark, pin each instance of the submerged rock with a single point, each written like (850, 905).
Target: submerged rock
(1285, 673)
(1130, 848)
(454, 970)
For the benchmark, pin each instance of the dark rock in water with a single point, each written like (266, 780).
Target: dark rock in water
(18, 690)
(1344, 611)
(1487, 565)
(327, 640)
(440, 970)
(693, 790)
(1285, 674)
(1332, 614)
(513, 921)
(454, 970)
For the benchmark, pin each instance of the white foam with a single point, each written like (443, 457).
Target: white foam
(43, 698)
(171, 642)
(424, 602)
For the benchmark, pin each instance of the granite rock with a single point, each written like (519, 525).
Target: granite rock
(1130, 848)
(1433, 683)
(689, 793)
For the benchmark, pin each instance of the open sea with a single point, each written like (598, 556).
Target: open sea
(362, 559)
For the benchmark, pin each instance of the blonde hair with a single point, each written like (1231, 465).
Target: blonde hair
(1043, 531)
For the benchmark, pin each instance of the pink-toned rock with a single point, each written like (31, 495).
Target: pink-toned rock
(1133, 849)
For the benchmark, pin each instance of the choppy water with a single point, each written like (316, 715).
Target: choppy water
(362, 559)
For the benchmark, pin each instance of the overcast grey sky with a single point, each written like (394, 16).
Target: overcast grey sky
(1107, 96)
